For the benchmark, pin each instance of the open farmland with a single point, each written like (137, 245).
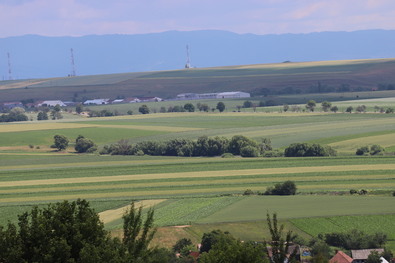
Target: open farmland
(203, 192)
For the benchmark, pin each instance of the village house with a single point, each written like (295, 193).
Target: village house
(361, 255)
(341, 257)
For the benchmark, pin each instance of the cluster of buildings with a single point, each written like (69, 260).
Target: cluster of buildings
(357, 256)
(183, 96)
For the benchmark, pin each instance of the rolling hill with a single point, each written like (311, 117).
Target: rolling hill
(258, 79)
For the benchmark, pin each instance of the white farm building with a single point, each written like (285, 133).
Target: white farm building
(218, 95)
(97, 102)
(233, 95)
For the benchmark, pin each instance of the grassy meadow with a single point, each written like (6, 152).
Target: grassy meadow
(192, 195)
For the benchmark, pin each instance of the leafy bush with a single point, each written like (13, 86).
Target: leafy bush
(306, 149)
(286, 188)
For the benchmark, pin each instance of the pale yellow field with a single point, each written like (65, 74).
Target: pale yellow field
(62, 125)
(200, 174)
(114, 214)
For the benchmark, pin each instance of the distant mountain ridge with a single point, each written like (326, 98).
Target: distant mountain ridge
(35, 56)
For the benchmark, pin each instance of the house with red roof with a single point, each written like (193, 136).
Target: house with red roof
(341, 257)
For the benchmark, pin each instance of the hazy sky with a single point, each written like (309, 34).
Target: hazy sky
(86, 17)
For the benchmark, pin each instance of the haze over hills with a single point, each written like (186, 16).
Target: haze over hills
(42, 57)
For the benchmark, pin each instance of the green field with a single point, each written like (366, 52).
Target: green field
(202, 192)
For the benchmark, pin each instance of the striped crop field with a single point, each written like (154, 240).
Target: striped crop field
(174, 178)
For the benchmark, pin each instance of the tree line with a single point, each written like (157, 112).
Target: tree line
(203, 146)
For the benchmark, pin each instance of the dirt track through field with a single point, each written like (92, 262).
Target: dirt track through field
(200, 174)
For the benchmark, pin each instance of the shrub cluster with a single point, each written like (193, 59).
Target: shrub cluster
(372, 150)
(307, 149)
(204, 146)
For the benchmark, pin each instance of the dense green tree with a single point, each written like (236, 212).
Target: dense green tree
(83, 145)
(326, 105)
(361, 108)
(247, 104)
(285, 107)
(79, 108)
(61, 142)
(220, 106)
(349, 109)
(138, 233)
(181, 244)
(189, 107)
(310, 105)
(374, 257)
(235, 251)
(56, 233)
(202, 107)
(143, 109)
(249, 151)
(212, 238)
(56, 112)
(334, 109)
(42, 115)
(239, 141)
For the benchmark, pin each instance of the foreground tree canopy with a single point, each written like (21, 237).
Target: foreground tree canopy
(72, 232)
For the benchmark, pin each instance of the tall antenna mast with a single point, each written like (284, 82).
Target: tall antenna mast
(72, 63)
(9, 66)
(188, 64)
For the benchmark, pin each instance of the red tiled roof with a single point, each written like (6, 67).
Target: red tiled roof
(341, 257)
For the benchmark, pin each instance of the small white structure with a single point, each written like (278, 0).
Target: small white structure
(51, 103)
(97, 102)
(233, 95)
